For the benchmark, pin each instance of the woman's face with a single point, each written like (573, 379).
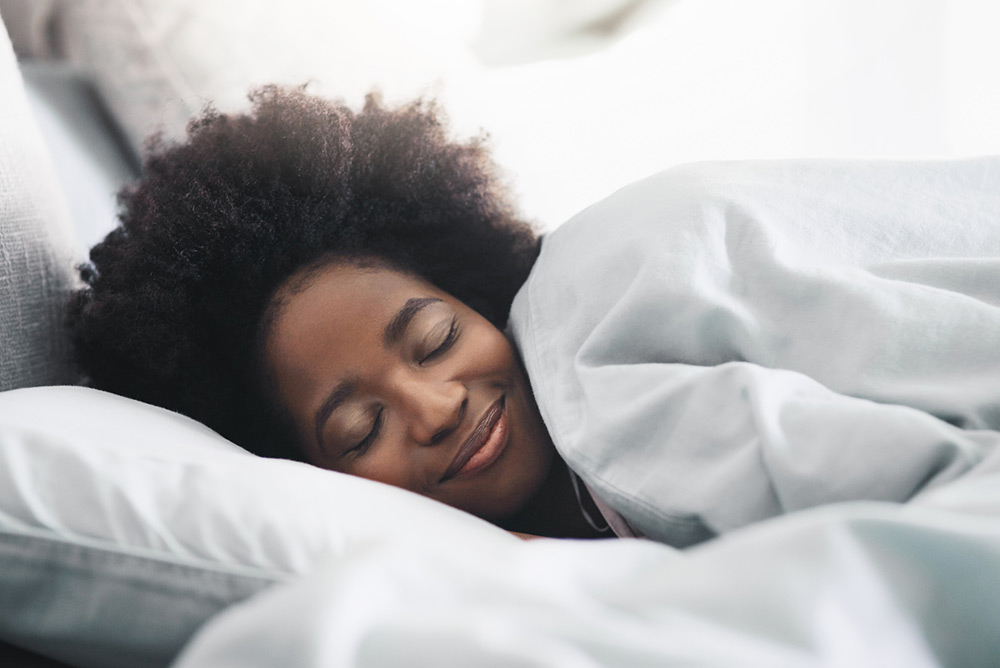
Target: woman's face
(388, 378)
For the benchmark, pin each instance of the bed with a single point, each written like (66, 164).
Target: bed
(132, 536)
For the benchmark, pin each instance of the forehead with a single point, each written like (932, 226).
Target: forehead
(342, 286)
(331, 321)
(340, 302)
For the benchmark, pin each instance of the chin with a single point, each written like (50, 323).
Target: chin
(528, 490)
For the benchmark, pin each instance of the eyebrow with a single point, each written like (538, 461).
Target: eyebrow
(397, 326)
(391, 335)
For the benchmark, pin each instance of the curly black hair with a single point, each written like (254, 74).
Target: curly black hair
(175, 296)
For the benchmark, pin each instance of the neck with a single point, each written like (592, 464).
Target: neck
(554, 510)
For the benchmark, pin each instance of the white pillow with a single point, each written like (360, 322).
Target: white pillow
(123, 526)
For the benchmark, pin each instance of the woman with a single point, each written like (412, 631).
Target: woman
(330, 286)
(324, 285)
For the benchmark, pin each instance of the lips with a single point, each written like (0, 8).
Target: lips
(487, 441)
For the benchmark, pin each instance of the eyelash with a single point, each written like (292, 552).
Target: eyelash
(448, 342)
(363, 446)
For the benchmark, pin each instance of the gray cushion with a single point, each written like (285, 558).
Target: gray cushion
(36, 245)
(29, 25)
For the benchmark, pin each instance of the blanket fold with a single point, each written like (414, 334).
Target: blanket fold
(726, 342)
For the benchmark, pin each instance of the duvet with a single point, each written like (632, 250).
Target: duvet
(727, 342)
(853, 584)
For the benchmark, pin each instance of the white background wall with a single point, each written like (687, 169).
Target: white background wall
(580, 97)
(721, 79)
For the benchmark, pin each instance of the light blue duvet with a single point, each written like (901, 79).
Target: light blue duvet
(726, 342)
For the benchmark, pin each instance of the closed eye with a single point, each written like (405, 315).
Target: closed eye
(369, 438)
(446, 343)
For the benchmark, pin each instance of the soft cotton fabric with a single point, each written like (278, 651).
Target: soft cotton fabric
(726, 342)
(861, 584)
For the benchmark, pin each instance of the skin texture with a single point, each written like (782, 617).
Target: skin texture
(407, 406)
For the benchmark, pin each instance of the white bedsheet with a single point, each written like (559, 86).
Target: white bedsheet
(725, 342)
(861, 584)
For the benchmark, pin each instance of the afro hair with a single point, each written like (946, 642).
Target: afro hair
(174, 298)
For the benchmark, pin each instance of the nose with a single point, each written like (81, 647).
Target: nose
(433, 408)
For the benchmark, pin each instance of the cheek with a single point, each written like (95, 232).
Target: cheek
(393, 463)
(495, 352)
(380, 467)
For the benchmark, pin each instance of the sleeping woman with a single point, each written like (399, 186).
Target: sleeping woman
(713, 346)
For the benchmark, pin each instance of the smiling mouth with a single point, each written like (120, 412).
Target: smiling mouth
(486, 443)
